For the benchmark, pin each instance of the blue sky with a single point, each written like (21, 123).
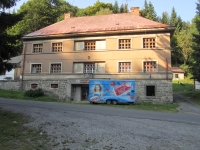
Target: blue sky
(186, 9)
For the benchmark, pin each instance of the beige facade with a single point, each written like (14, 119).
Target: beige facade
(62, 58)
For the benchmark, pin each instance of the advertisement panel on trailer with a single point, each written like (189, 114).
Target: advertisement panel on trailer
(112, 91)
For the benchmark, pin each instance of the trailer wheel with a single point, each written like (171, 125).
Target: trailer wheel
(115, 102)
(108, 102)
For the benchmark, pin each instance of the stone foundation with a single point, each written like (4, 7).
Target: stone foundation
(10, 85)
(163, 89)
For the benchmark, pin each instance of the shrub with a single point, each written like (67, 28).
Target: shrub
(34, 93)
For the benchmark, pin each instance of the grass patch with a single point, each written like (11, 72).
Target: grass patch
(20, 95)
(187, 90)
(13, 135)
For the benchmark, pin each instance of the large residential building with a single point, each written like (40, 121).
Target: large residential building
(63, 57)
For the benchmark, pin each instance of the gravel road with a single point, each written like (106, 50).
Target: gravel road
(74, 130)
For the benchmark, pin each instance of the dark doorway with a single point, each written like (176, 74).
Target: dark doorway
(84, 92)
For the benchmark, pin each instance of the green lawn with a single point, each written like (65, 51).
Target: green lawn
(13, 94)
(187, 89)
(14, 135)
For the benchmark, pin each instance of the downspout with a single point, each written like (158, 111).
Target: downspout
(24, 50)
(166, 69)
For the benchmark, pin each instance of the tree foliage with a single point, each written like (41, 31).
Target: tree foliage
(41, 13)
(148, 11)
(104, 11)
(196, 40)
(8, 47)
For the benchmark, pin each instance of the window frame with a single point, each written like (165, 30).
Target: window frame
(118, 46)
(90, 41)
(127, 61)
(149, 61)
(31, 68)
(56, 43)
(53, 63)
(37, 44)
(153, 91)
(94, 71)
(148, 45)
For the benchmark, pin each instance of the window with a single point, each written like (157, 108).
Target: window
(89, 68)
(36, 68)
(124, 66)
(57, 47)
(124, 43)
(90, 45)
(149, 42)
(150, 66)
(37, 48)
(34, 86)
(54, 85)
(176, 75)
(55, 68)
(150, 90)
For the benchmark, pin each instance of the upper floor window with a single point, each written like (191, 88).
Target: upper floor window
(37, 48)
(55, 68)
(57, 47)
(124, 43)
(89, 68)
(36, 68)
(124, 66)
(149, 42)
(150, 66)
(90, 45)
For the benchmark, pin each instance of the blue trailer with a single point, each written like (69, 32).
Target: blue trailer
(112, 91)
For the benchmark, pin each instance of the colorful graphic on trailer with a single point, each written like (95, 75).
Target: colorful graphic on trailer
(120, 90)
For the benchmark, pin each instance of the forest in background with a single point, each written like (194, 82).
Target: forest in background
(36, 14)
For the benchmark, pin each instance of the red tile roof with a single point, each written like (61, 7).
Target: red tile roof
(177, 70)
(102, 23)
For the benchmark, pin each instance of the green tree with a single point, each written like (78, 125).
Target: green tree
(184, 43)
(148, 11)
(8, 42)
(104, 11)
(41, 13)
(165, 18)
(196, 40)
(115, 7)
(92, 10)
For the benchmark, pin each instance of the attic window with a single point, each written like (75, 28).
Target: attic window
(73, 27)
(124, 43)
(37, 48)
(57, 47)
(117, 23)
(149, 42)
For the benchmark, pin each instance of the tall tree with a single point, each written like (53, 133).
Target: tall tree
(196, 40)
(165, 18)
(173, 18)
(115, 7)
(148, 11)
(184, 43)
(8, 46)
(41, 13)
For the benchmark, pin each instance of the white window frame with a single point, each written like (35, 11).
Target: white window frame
(93, 71)
(33, 47)
(125, 61)
(149, 61)
(54, 43)
(148, 37)
(55, 63)
(35, 64)
(124, 39)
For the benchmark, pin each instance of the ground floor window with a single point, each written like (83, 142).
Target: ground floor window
(150, 90)
(176, 75)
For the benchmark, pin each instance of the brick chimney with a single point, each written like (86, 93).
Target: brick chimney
(135, 10)
(67, 16)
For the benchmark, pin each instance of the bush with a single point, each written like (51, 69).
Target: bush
(34, 93)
